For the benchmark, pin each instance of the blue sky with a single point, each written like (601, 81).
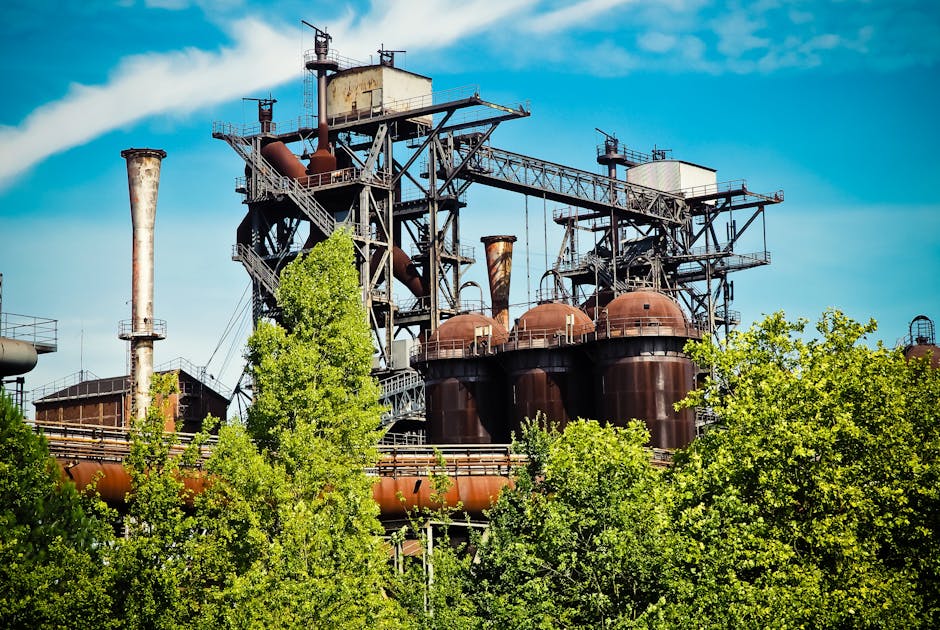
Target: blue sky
(834, 102)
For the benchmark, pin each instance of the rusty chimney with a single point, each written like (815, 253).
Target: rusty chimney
(322, 160)
(143, 182)
(499, 266)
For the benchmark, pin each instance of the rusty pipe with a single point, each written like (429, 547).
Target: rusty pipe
(404, 270)
(499, 268)
(283, 160)
(143, 183)
(322, 160)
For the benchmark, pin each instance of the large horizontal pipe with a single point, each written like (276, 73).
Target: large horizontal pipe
(113, 481)
(16, 357)
(396, 495)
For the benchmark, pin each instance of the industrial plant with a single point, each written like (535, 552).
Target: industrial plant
(644, 265)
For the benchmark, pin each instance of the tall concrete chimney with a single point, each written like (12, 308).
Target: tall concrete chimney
(143, 182)
(499, 267)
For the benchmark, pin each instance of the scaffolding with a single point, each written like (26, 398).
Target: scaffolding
(400, 182)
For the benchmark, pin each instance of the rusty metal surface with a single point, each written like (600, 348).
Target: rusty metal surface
(922, 350)
(499, 269)
(646, 327)
(646, 387)
(465, 328)
(477, 473)
(407, 273)
(283, 160)
(462, 336)
(113, 482)
(553, 318)
(602, 299)
(557, 383)
(400, 495)
(403, 269)
(648, 305)
(143, 183)
(465, 409)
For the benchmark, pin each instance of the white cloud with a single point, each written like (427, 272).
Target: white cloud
(260, 58)
(171, 5)
(573, 15)
(678, 35)
(144, 85)
(657, 42)
(736, 33)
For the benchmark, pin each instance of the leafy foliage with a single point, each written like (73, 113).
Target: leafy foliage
(816, 504)
(52, 539)
(291, 530)
(577, 542)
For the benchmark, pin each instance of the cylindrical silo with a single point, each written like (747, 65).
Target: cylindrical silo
(640, 368)
(464, 402)
(548, 369)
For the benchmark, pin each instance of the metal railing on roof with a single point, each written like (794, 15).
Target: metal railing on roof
(62, 383)
(199, 372)
(41, 332)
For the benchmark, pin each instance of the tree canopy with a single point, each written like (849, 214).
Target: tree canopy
(52, 563)
(814, 502)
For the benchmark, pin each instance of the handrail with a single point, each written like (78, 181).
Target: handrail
(501, 168)
(74, 442)
(256, 267)
(41, 332)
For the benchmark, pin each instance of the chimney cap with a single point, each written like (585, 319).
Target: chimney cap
(509, 238)
(129, 153)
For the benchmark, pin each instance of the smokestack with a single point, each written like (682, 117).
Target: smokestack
(143, 182)
(322, 160)
(499, 266)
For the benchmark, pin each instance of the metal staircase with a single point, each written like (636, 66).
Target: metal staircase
(403, 393)
(276, 184)
(256, 267)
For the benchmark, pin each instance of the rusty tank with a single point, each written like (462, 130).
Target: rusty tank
(640, 368)
(463, 391)
(921, 341)
(548, 369)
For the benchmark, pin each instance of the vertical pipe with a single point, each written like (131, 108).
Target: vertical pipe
(322, 160)
(499, 268)
(143, 182)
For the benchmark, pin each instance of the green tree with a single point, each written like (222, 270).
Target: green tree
(52, 539)
(578, 541)
(151, 561)
(290, 535)
(816, 502)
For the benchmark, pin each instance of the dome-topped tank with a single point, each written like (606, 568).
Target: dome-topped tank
(464, 400)
(550, 318)
(922, 350)
(921, 342)
(462, 330)
(641, 370)
(548, 369)
(639, 309)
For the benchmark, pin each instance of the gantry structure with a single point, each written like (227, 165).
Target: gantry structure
(396, 189)
(404, 160)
